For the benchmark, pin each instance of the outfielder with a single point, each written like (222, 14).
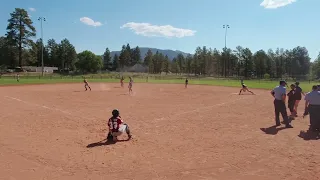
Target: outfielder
(117, 127)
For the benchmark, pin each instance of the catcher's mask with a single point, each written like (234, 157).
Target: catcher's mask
(115, 113)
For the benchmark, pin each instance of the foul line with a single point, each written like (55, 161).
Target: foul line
(46, 107)
(202, 108)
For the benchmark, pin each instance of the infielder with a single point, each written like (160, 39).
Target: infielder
(121, 81)
(244, 88)
(86, 84)
(130, 85)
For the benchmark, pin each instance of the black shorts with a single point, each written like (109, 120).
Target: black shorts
(291, 106)
(243, 86)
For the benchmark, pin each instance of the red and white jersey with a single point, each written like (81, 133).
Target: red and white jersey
(114, 123)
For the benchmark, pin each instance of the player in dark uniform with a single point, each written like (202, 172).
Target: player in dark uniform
(298, 94)
(186, 83)
(86, 84)
(244, 88)
(291, 101)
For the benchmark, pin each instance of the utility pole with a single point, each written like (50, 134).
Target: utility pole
(41, 19)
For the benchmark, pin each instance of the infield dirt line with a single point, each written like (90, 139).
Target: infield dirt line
(202, 108)
(46, 107)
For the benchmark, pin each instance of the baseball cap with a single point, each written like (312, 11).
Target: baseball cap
(315, 87)
(283, 81)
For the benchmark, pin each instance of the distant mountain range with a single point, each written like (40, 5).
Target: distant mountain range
(143, 50)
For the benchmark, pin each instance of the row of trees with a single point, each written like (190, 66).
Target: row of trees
(17, 48)
(242, 62)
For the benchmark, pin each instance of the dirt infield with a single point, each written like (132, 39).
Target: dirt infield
(203, 132)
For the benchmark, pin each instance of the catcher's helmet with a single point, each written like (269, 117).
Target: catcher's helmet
(115, 113)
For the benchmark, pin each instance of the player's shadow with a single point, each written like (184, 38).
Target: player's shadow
(309, 135)
(104, 143)
(273, 130)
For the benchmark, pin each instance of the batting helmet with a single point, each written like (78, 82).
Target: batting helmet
(115, 113)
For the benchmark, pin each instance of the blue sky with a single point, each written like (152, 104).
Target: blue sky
(175, 24)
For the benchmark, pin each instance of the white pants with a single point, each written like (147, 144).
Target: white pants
(122, 129)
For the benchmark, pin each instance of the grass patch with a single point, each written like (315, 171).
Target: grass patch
(262, 84)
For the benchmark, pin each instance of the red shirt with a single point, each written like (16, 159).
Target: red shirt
(114, 123)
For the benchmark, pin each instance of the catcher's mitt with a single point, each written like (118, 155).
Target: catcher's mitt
(110, 137)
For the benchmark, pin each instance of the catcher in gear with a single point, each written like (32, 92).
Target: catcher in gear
(117, 127)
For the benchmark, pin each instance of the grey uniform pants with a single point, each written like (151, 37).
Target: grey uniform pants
(280, 107)
(314, 112)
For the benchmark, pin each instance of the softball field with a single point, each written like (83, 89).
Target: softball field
(55, 132)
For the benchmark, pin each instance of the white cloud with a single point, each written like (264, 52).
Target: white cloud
(146, 29)
(32, 9)
(90, 22)
(274, 4)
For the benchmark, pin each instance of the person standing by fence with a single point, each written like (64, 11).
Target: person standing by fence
(18, 77)
(312, 107)
(298, 95)
(279, 94)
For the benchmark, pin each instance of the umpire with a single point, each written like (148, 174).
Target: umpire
(279, 94)
(313, 107)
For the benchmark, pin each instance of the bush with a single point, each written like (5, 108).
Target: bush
(266, 76)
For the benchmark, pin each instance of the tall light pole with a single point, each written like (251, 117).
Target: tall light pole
(41, 19)
(225, 26)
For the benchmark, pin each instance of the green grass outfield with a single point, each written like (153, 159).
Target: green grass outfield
(256, 84)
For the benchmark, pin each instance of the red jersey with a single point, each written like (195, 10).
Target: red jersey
(114, 123)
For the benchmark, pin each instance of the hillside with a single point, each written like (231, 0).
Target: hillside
(170, 53)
